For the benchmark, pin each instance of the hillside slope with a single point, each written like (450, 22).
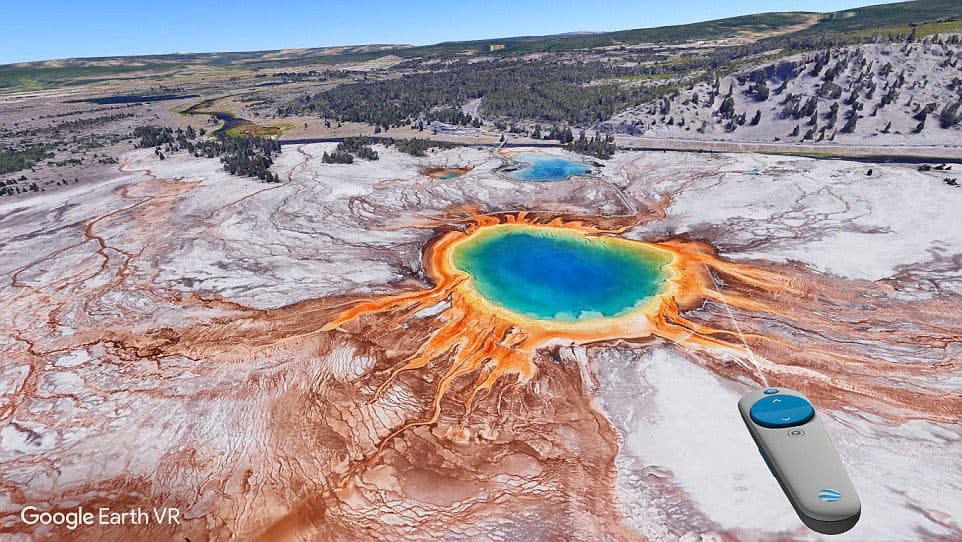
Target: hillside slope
(945, 14)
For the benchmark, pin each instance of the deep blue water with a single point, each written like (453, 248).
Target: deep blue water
(134, 98)
(560, 276)
(547, 167)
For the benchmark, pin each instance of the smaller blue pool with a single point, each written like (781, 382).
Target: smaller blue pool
(547, 167)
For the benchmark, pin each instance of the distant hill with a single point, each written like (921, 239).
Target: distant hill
(897, 15)
(763, 23)
(73, 71)
(935, 15)
(227, 58)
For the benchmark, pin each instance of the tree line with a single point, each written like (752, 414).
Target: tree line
(245, 155)
(360, 147)
(598, 146)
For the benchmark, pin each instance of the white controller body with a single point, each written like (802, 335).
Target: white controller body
(794, 443)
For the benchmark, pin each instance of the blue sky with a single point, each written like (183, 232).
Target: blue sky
(41, 30)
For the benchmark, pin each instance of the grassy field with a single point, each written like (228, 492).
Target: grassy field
(34, 78)
(273, 130)
(709, 30)
(921, 30)
(902, 14)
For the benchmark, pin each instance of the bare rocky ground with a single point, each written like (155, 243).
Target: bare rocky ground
(84, 140)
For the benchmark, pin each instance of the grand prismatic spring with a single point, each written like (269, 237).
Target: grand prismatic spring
(503, 294)
(509, 294)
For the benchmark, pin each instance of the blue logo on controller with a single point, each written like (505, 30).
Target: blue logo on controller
(829, 495)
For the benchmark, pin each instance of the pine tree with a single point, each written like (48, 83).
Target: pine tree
(850, 123)
(727, 108)
(761, 89)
